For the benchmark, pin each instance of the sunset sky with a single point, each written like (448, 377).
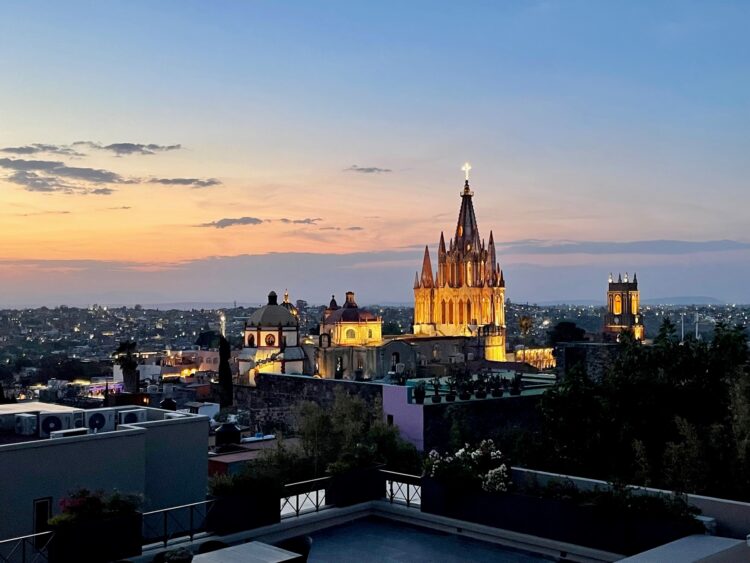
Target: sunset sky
(162, 152)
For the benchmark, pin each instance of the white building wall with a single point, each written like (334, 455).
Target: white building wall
(54, 468)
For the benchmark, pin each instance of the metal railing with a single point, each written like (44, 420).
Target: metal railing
(403, 488)
(26, 549)
(175, 522)
(304, 496)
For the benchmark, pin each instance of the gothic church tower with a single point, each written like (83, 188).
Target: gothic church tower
(466, 296)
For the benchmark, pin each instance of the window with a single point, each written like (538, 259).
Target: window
(460, 312)
(369, 333)
(389, 419)
(468, 311)
(450, 312)
(442, 311)
(270, 340)
(618, 305)
(251, 341)
(42, 513)
(351, 334)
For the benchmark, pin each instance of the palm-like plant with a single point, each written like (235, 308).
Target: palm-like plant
(126, 357)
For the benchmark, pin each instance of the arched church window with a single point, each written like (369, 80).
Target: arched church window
(617, 309)
(468, 310)
(251, 341)
(270, 340)
(460, 311)
(634, 304)
(450, 311)
(442, 311)
(350, 333)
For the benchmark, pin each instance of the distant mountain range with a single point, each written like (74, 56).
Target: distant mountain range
(681, 300)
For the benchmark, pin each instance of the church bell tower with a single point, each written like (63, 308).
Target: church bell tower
(623, 308)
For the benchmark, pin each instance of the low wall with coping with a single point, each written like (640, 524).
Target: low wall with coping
(732, 517)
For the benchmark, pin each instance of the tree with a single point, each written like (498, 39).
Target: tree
(126, 358)
(525, 324)
(225, 374)
(565, 331)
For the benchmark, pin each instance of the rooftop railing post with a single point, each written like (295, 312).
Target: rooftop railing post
(166, 537)
(408, 496)
(191, 523)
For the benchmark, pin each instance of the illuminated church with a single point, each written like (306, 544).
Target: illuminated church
(466, 296)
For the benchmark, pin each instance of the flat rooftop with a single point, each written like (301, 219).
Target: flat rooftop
(34, 406)
(378, 539)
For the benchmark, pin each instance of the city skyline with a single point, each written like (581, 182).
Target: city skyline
(185, 157)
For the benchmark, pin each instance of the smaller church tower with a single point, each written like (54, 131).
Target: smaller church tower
(623, 308)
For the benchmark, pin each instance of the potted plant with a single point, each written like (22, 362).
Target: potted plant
(244, 501)
(355, 477)
(419, 392)
(436, 398)
(516, 385)
(452, 382)
(464, 389)
(83, 531)
(480, 386)
(496, 386)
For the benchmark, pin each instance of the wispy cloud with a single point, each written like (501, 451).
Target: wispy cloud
(306, 221)
(652, 247)
(43, 213)
(232, 222)
(120, 208)
(126, 149)
(192, 182)
(36, 148)
(367, 169)
(342, 228)
(55, 176)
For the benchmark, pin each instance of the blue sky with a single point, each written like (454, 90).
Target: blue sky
(593, 122)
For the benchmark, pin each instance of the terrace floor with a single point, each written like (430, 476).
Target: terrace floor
(378, 539)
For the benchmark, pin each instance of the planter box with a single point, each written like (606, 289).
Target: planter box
(106, 539)
(355, 486)
(235, 514)
(555, 519)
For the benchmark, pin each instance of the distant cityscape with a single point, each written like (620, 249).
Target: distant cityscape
(28, 336)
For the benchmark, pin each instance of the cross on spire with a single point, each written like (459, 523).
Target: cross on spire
(466, 167)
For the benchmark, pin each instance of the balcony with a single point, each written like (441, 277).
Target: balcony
(403, 518)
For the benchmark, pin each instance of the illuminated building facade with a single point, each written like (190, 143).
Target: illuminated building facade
(350, 342)
(349, 325)
(466, 296)
(272, 341)
(623, 308)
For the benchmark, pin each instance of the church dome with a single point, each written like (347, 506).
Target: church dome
(350, 312)
(272, 314)
(288, 305)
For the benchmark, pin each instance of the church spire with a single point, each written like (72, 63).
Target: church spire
(467, 232)
(416, 280)
(441, 248)
(427, 280)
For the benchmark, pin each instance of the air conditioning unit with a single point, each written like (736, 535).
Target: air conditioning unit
(26, 424)
(69, 433)
(171, 415)
(131, 416)
(79, 419)
(101, 420)
(52, 421)
(8, 421)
